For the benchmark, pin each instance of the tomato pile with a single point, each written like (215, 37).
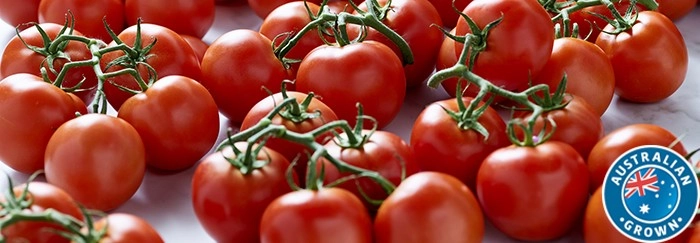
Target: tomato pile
(95, 96)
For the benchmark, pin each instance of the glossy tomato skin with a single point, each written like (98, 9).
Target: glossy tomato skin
(413, 20)
(170, 56)
(440, 145)
(676, 9)
(305, 216)
(17, 58)
(198, 45)
(127, 228)
(623, 139)
(236, 67)
(30, 111)
(523, 20)
(43, 196)
(449, 10)
(596, 225)
(88, 15)
(99, 144)
(177, 120)
(510, 177)
(288, 149)
(15, 14)
(230, 204)
(263, 8)
(385, 152)
(589, 73)
(646, 80)
(182, 16)
(408, 214)
(367, 72)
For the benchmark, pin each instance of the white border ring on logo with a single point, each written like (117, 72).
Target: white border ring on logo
(681, 206)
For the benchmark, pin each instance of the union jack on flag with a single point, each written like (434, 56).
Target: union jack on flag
(639, 183)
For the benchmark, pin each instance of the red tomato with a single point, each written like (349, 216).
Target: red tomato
(176, 132)
(42, 196)
(83, 149)
(30, 111)
(596, 225)
(523, 20)
(15, 14)
(365, 72)
(409, 213)
(182, 16)
(288, 149)
(127, 228)
(588, 70)
(447, 10)
(676, 9)
(439, 144)
(646, 80)
(510, 177)
(170, 56)
(384, 152)
(413, 20)
(235, 69)
(228, 203)
(17, 58)
(88, 15)
(590, 25)
(623, 139)
(197, 44)
(306, 216)
(262, 8)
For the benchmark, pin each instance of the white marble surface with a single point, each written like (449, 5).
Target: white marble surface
(164, 200)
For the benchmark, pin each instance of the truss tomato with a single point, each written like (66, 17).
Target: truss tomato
(126, 228)
(15, 14)
(182, 16)
(262, 8)
(88, 15)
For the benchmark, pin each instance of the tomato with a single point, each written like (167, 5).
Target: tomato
(510, 177)
(619, 141)
(17, 58)
(646, 80)
(288, 149)
(170, 56)
(197, 44)
(30, 111)
(306, 216)
(176, 132)
(236, 67)
(409, 213)
(228, 203)
(523, 20)
(589, 24)
(126, 228)
(676, 9)
(182, 16)
(588, 70)
(15, 14)
(596, 225)
(88, 14)
(384, 152)
(262, 8)
(449, 10)
(42, 196)
(366, 72)
(439, 144)
(98, 159)
(413, 20)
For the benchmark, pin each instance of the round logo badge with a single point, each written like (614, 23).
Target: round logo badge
(651, 193)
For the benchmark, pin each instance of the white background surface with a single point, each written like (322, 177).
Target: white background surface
(164, 200)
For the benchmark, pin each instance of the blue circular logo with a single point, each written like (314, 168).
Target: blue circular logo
(650, 193)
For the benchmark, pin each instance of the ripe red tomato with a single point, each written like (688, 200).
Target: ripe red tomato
(88, 15)
(42, 196)
(623, 139)
(366, 72)
(197, 44)
(262, 8)
(83, 149)
(596, 225)
(236, 67)
(127, 228)
(646, 80)
(439, 144)
(509, 177)
(588, 71)
(182, 16)
(447, 11)
(17, 58)
(676, 9)
(176, 132)
(306, 216)
(228, 203)
(523, 20)
(170, 56)
(15, 14)
(409, 213)
(30, 111)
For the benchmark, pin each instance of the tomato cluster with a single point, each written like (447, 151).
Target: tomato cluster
(305, 100)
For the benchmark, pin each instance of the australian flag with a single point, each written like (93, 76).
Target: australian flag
(651, 194)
